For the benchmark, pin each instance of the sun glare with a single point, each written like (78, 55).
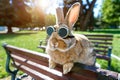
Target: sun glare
(42, 3)
(49, 6)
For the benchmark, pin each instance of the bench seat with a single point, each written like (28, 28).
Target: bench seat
(35, 64)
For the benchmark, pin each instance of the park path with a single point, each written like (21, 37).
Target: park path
(14, 30)
(116, 57)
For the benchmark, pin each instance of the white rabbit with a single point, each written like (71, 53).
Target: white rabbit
(64, 47)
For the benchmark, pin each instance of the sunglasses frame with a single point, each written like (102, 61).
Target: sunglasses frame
(68, 31)
(52, 29)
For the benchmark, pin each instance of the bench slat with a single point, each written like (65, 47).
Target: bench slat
(75, 76)
(99, 56)
(103, 46)
(100, 51)
(105, 39)
(98, 35)
(103, 43)
(39, 68)
(32, 74)
(29, 53)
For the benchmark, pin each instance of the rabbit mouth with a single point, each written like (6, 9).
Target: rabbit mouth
(54, 45)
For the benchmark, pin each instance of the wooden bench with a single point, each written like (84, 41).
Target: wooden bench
(102, 46)
(36, 65)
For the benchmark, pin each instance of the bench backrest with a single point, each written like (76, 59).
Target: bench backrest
(102, 45)
(36, 65)
(101, 42)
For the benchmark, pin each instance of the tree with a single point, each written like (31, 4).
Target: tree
(17, 13)
(86, 17)
(13, 14)
(38, 15)
(111, 12)
(49, 20)
(6, 13)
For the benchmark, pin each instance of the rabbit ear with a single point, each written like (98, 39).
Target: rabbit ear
(59, 15)
(72, 15)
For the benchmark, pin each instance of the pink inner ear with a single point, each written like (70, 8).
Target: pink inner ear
(73, 15)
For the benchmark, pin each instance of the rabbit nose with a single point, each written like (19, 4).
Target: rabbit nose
(54, 45)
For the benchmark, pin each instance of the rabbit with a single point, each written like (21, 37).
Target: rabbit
(64, 47)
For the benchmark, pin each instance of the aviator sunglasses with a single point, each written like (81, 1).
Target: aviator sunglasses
(62, 31)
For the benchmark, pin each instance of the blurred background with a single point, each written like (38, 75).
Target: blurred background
(30, 14)
(23, 24)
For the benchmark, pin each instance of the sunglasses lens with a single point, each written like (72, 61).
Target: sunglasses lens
(50, 30)
(63, 32)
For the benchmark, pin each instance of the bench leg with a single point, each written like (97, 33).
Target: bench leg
(8, 61)
(109, 54)
(109, 65)
(13, 77)
(13, 73)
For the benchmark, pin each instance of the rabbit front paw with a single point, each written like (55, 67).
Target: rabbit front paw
(67, 67)
(52, 64)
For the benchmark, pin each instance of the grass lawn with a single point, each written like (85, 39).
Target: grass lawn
(30, 40)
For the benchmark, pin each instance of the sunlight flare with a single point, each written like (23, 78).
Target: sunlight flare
(42, 3)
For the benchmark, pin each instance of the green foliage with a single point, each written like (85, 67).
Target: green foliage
(14, 13)
(111, 31)
(111, 12)
(6, 12)
(19, 14)
(86, 18)
(49, 20)
(29, 40)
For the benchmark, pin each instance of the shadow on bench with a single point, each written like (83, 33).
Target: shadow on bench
(36, 65)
